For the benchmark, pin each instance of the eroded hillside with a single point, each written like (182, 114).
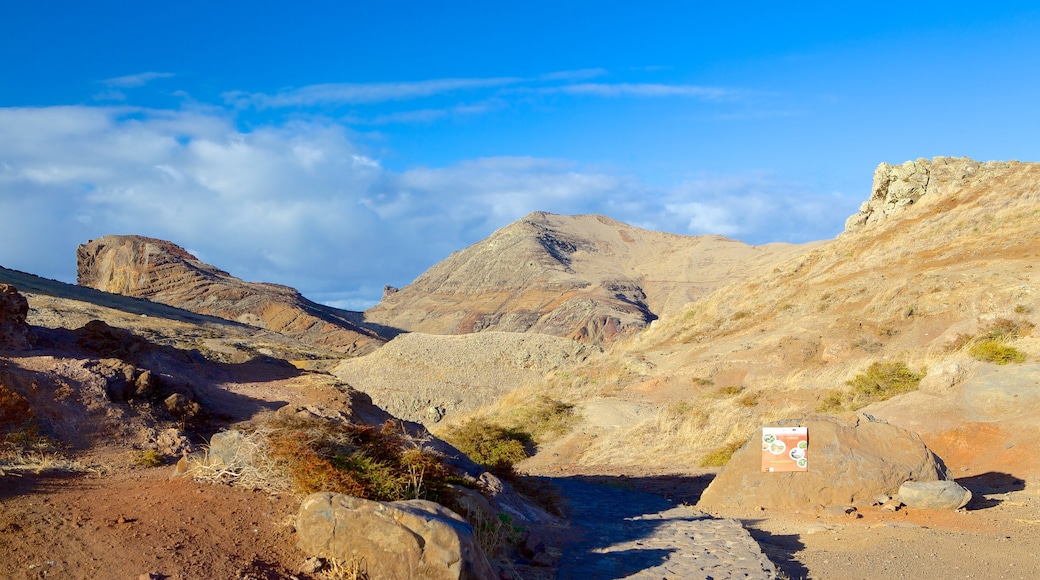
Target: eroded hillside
(584, 277)
(943, 249)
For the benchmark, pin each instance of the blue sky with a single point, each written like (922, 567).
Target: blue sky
(337, 147)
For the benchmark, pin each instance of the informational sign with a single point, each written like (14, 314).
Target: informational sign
(785, 449)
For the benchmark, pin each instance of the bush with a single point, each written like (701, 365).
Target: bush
(149, 458)
(881, 381)
(995, 351)
(377, 463)
(490, 444)
(547, 416)
(720, 456)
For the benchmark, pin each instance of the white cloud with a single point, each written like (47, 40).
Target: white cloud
(300, 203)
(137, 80)
(362, 93)
(641, 90)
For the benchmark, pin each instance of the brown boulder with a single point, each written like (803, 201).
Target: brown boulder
(14, 331)
(399, 540)
(851, 461)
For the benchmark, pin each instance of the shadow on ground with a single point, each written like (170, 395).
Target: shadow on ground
(990, 483)
(780, 549)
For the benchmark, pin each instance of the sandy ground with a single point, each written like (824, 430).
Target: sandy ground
(140, 522)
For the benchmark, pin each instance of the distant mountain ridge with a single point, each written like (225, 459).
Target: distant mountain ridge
(586, 277)
(164, 272)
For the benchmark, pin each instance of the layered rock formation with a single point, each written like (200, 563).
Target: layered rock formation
(585, 277)
(164, 272)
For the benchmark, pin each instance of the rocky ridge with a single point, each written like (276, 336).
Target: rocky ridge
(166, 273)
(585, 277)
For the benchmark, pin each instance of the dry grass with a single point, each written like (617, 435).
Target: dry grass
(307, 455)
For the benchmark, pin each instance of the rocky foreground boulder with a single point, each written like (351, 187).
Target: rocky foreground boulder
(14, 331)
(851, 462)
(163, 272)
(399, 540)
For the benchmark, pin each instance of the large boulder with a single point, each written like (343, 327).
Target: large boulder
(398, 540)
(934, 495)
(14, 331)
(851, 461)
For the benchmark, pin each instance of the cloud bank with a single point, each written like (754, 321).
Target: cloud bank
(299, 202)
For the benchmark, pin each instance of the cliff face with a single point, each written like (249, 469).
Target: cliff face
(163, 272)
(585, 277)
(897, 187)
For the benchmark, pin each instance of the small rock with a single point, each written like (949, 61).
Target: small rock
(311, 565)
(892, 505)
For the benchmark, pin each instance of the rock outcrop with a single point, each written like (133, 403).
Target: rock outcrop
(163, 272)
(398, 540)
(851, 461)
(585, 277)
(14, 331)
(898, 186)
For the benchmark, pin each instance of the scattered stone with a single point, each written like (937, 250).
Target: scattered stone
(850, 461)
(934, 495)
(181, 407)
(400, 540)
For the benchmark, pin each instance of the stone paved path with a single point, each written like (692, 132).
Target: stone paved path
(630, 534)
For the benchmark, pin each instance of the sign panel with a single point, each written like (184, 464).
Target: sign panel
(785, 449)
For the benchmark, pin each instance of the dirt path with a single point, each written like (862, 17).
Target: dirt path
(622, 533)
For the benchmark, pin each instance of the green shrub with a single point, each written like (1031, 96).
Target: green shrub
(881, 381)
(490, 444)
(995, 351)
(720, 456)
(547, 416)
(149, 458)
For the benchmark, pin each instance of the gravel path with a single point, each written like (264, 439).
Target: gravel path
(631, 534)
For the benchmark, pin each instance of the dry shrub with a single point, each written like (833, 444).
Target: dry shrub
(377, 463)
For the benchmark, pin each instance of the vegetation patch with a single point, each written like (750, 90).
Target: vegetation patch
(496, 447)
(546, 417)
(991, 344)
(997, 352)
(881, 381)
(377, 463)
(149, 458)
(720, 456)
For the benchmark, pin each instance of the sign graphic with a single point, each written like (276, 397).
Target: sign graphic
(785, 449)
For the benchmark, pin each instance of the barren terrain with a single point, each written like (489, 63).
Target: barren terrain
(944, 252)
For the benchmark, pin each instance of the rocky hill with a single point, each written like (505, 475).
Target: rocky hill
(944, 250)
(585, 277)
(163, 272)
